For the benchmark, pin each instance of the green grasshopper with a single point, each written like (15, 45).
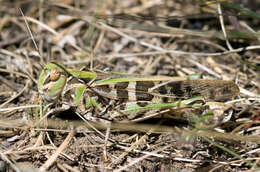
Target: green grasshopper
(132, 98)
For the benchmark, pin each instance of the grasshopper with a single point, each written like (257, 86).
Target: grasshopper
(132, 98)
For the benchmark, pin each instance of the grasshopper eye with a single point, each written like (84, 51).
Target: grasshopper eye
(54, 74)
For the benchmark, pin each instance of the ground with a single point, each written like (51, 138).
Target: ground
(156, 37)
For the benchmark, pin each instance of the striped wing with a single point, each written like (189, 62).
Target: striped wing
(167, 90)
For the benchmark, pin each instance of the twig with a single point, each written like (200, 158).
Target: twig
(128, 55)
(15, 96)
(29, 30)
(131, 38)
(4, 157)
(142, 158)
(18, 108)
(52, 159)
(223, 27)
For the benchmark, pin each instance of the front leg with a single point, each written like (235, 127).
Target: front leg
(56, 110)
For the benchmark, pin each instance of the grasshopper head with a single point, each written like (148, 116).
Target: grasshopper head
(52, 81)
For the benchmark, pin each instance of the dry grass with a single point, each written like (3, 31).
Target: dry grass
(225, 47)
